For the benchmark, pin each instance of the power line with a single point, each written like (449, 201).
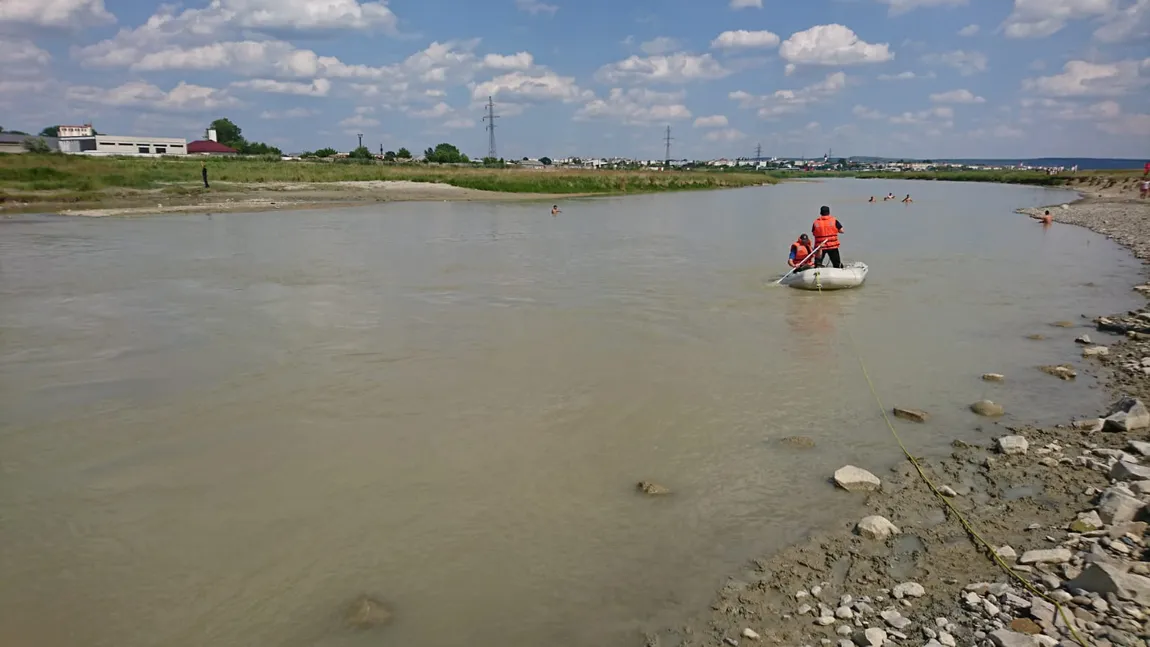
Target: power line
(490, 119)
(759, 153)
(667, 140)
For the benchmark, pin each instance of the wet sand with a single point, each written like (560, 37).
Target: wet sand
(269, 196)
(928, 582)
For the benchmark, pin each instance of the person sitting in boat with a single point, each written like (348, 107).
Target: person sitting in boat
(826, 230)
(801, 257)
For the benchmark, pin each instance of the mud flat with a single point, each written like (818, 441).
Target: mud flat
(1064, 507)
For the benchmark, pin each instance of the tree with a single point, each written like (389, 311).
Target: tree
(389, 156)
(445, 154)
(228, 134)
(50, 131)
(360, 153)
(403, 154)
(325, 152)
(36, 145)
(545, 161)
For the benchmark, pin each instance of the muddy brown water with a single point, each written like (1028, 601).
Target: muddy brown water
(221, 430)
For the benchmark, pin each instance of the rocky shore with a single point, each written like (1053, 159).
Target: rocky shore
(1064, 508)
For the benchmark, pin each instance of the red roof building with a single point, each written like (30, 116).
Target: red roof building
(209, 147)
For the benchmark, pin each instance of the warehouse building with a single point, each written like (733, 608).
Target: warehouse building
(16, 143)
(123, 145)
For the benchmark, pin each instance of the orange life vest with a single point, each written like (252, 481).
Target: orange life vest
(801, 253)
(826, 232)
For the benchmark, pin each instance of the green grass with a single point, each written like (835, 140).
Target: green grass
(80, 174)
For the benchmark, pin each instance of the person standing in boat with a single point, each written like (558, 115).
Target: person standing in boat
(826, 230)
(801, 257)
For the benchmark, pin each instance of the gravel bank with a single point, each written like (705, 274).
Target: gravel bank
(1065, 507)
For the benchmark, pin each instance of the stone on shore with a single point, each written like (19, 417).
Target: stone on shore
(913, 415)
(1095, 351)
(1062, 372)
(1128, 414)
(1049, 556)
(908, 589)
(1102, 578)
(856, 479)
(987, 409)
(1084, 339)
(1012, 445)
(801, 442)
(1007, 638)
(1086, 522)
(750, 634)
(874, 637)
(1127, 471)
(993, 377)
(877, 528)
(366, 612)
(895, 619)
(654, 489)
(1089, 425)
(1139, 447)
(1117, 506)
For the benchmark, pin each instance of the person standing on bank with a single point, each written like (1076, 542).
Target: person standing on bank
(826, 230)
(204, 172)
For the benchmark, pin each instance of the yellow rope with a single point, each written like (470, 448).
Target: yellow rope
(954, 511)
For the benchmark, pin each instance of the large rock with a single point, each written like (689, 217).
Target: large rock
(1103, 578)
(993, 377)
(1139, 447)
(654, 489)
(1141, 488)
(1050, 556)
(908, 590)
(856, 479)
(1095, 351)
(877, 528)
(1127, 471)
(1083, 339)
(1012, 445)
(1062, 372)
(874, 637)
(1117, 506)
(1086, 522)
(913, 415)
(1128, 414)
(1007, 638)
(987, 408)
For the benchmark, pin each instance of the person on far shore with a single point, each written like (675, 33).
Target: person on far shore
(801, 257)
(204, 173)
(1144, 189)
(826, 230)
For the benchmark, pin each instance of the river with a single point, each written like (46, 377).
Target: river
(219, 430)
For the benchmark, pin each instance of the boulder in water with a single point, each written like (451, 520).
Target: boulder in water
(987, 408)
(367, 612)
(654, 489)
(1062, 371)
(802, 442)
(913, 415)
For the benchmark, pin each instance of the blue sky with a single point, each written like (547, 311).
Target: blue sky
(913, 78)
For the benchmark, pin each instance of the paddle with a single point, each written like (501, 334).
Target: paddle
(800, 263)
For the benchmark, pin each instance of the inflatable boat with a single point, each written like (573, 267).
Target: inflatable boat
(850, 275)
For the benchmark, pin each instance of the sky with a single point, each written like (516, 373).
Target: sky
(894, 78)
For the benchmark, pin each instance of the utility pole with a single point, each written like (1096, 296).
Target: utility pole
(490, 119)
(759, 153)
(360, 135)
(667, 140)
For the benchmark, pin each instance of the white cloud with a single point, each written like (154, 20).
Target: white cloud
(726, 135)
(783, 102)
(903, 6)
(1080, 78)
(675, 68)
(1001, 131)
(57, 14)
(517, 61)
(789, 69)
(956, 96)
(538, 86)
(967, 63)
(317, 88)
(1128, 125)
(660, 45)
(1041, 18)
(746, 4)
(923, 117)
(637, 106)
(969, 30)
(832, 45)
(137, 94)
(458, 123)
(534, 7)
(437, 111)
(905, 76)
(359, 120)
(713, 121)
(743, 39)
(867, 113)
(18, 54)
(1130, 23)
(291, 113)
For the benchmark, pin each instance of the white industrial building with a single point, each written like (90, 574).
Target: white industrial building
(123, 145)
(75, 131)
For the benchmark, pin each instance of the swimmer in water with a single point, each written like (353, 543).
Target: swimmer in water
(907, 199)
(871, 199)
(555, 210)
(1047, 218)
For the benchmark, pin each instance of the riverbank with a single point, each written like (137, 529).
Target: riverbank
(906, 572)
(126, 186)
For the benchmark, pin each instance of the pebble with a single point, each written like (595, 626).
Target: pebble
(844, 613)
(816, 590)
(1051, 556)
(1012, 445)
(800, 595)
(844, 630)
(804, 610)
(875, 637)
(941, 622)
(911, 589)
(750, 634)
(947, 639)
(826, 620)
(895, 619)
(846, 601)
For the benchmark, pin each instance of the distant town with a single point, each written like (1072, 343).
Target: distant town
(85, 140)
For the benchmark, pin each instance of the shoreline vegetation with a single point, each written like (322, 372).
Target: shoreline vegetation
(1065, 508)
(81, 185)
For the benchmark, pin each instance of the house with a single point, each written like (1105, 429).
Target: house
(13, 143)
(123, 145)
(209, 147)
(75, 131)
